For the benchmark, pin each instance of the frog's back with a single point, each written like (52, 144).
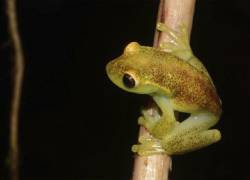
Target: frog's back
(192, 89)
(195, 92)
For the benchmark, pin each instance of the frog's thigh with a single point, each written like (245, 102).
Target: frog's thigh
(196, 122)
(191, 142)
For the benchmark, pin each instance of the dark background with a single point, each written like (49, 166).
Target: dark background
(75, 124)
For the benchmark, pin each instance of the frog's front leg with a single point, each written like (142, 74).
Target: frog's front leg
(150, 117)
(159, 123)
(148, 146)
(192, 134)
(147, 123)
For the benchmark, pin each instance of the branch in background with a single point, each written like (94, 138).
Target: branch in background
(173, 13)
(18, 69)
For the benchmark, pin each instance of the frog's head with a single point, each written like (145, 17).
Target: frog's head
(130, 71)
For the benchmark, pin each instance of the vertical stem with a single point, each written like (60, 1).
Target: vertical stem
(173, 13)
(160, 18)
(18, 69)
(176, 13)
(155, 167)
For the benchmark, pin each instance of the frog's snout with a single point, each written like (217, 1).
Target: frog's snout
(109, 69)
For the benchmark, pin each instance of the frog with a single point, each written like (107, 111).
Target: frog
(177, 81)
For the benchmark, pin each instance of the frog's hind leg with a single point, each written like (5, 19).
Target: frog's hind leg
(178, 43)
(194, 123)
(192, 142)
(192, 134)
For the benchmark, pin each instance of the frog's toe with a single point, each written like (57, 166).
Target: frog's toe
(141, 121)
(214, 135)
(144, 150)
(135, 148)
(148, 121)
(168, 46)
(164, 28)
(148, 146)
(145, 139)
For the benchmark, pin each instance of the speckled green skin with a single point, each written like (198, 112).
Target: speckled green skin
(177, 81)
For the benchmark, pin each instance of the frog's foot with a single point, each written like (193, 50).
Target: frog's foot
(178, 43)
(191, 142)
(148, 146)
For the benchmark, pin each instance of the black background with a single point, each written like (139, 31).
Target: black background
(75, 124)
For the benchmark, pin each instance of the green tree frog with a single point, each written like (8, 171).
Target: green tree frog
(177, 81)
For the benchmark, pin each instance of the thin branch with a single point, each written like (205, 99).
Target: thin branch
(18, 69)
(173, 13)
(155, 167)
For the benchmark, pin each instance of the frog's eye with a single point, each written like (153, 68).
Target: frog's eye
(128, 81)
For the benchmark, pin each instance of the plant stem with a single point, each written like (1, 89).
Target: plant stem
(173, 13)
(18, 69)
